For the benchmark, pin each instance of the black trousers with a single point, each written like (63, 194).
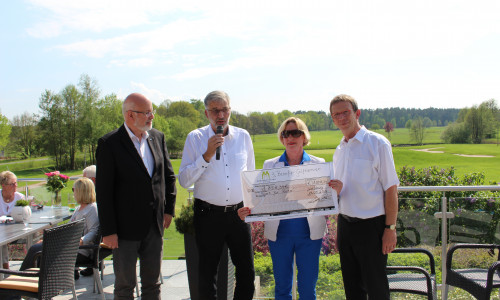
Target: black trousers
(361, 260)
(212, 230)
(150, 252)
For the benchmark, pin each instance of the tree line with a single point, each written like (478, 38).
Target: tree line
(70, 122)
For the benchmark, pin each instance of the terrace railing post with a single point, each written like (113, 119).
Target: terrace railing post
(444, 242)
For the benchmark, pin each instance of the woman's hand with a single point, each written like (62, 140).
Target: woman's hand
(243, 212)
(336, 185)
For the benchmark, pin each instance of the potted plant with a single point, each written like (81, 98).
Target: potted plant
(184, 223)
(55, 183)
(21, 211)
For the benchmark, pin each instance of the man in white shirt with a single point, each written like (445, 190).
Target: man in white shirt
(368, 203)
(218, 195)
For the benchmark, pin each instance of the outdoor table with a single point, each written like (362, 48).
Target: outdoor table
(40, 219)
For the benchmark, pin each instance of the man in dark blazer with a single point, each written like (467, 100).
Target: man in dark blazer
(136, 193)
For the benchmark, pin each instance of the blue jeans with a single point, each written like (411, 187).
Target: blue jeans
(307, 258)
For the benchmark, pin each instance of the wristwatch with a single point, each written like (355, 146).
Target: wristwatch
(391, 227)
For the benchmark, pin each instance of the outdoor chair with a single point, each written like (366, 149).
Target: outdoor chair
(57, 265)
(96, 262)
(477, 281)
(413, 279)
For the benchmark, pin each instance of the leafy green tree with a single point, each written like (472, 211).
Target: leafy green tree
(163, 107)
(200, 107)
(179, 128)
(24, 133)
(108, 116)
(270, 122)
(256, 123)
(160, 123)
(5, 130)
(408, 125)
(283, 115)
(72, 107)
(476, 122)
(183, 109)
(53, 134)
(417, 130)
(90, 120)
(239, 120)
(456, 133)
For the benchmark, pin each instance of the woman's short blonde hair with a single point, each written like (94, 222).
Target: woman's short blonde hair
(84, 191)
(300, 125)
(6, 176)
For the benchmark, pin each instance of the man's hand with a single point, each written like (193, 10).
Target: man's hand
(167, 219)
(215, 141)
(389, 240)
(336, 185)
(243, 212)
(111, 241)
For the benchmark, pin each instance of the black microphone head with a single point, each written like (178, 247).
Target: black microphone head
(220, 129)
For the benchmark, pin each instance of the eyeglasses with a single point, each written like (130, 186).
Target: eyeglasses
(216, 112)
(340, 115)
(12, 184)
(294, 132)
(146, 113)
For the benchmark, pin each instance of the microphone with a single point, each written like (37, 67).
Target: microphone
(217, 151)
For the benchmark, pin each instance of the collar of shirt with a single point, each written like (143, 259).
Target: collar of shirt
(360, 135)
(229, 135)
(305, 157)
(134, 137)
(142, 147)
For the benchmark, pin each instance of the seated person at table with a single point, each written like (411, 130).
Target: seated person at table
(8, 198)
(90, 172)
(84, 193)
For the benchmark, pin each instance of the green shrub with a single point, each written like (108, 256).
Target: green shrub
(184, 222)
(263, 265)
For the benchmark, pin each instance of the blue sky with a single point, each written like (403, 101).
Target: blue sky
(268, 55)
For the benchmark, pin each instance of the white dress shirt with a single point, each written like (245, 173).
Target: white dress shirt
(365, 165)
(143, 149)
(219, 181)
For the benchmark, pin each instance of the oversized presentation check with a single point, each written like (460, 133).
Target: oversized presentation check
(289, 192)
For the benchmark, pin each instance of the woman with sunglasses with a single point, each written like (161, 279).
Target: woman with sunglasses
(302, 236)
(84, 193)
(8, 199)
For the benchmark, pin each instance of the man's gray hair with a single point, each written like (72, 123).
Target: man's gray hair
(216, 95)
(89, 171)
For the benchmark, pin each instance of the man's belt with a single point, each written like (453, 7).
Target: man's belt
(212, 207)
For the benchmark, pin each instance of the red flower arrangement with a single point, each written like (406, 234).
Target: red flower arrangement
(56, 181)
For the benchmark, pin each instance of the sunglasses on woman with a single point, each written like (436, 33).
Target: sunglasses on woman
(294, 132)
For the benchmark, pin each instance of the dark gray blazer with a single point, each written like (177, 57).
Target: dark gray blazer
(128, 199)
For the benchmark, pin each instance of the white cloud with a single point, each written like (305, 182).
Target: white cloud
(154, 95)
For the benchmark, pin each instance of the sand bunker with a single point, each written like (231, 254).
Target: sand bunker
(466, 155)
(430, 150)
